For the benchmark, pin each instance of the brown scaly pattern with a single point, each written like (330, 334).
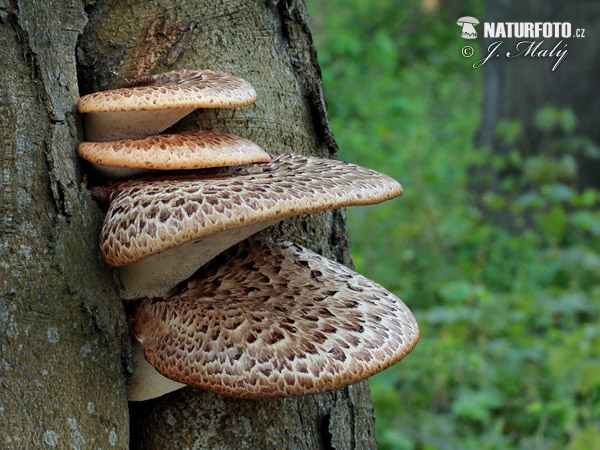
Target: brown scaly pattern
(186, 150)
(150, 215)
(182, 88)
(271, 319)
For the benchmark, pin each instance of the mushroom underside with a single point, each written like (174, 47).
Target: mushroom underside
(156, 275)
(145, 382)
(115, 125)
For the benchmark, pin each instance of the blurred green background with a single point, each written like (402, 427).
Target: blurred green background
(509, 355)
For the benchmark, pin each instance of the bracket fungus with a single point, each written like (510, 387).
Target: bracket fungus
(264, 318)
(159, 231)
(181, 151)
(151, 104)
(270, 319)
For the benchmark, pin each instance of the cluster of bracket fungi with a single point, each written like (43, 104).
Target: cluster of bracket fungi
(214, 306)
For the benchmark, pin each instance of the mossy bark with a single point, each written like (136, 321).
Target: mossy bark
(64, 340)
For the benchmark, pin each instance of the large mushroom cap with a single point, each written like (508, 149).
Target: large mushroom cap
(182, 88)
(269, 319)
(151, 104)
(181, 151)
(150, 215)
(174, 220)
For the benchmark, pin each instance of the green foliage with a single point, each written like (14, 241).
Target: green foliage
(509, 355)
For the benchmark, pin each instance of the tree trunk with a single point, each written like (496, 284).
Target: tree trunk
(63, 330)
(65, 343)
(516, 88)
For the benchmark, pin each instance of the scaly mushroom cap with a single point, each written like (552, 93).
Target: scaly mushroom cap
(271, 319)
(150, 217)
(150, 104)
(187, 150)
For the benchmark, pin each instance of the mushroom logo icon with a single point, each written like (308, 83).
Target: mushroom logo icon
(468, 27)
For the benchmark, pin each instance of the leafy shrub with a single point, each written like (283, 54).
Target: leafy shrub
(510, 350)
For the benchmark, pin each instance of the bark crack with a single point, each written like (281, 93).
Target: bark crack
(298, 37)
(326, 435)
(26, 32)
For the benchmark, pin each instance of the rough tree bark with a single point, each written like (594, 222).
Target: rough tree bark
(63, 331)
(64, 343)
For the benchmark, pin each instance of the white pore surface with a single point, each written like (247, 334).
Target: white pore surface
(146, 382)
(112, 126)
(156, 275)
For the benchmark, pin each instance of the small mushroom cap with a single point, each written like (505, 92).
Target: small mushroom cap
(150, 215)
(271, 319)
(467, 19)
(187, 150)
(182, 88)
